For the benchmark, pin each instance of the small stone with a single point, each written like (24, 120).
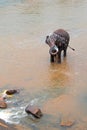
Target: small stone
(12, 91)
(36, 112)
(66, 123)
(1, 99)
(3, 104)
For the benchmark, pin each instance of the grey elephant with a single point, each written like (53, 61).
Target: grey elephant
(58, 41)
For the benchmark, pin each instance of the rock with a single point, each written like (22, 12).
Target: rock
(12, 91)
(36, 112)
(3, 104)
(1, 99)
(67, 123)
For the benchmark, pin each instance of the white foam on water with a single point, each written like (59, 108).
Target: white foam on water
(12, 116)
(34, 101)
(5, 115)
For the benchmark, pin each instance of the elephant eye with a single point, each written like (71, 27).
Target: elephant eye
(47, 37)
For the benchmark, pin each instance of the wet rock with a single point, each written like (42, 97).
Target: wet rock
(11, 91)
(3, 104)
(36, 112)
(67, 123)
(1, 99)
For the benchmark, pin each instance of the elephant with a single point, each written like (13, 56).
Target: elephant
(58, 41)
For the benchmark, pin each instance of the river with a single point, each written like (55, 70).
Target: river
(25, 62)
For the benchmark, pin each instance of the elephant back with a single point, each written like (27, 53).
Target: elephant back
(63, 33)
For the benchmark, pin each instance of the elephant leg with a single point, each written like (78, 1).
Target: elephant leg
(59, 57)
(51, 58)
(64, 53)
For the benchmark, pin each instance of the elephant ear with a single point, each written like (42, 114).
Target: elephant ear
(47, 39)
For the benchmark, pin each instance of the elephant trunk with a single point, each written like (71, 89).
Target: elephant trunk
(53, 50)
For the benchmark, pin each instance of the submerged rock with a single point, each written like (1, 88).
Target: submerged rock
(36, 112)
(66, 122)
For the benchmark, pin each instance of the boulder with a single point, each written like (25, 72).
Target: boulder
(33, 110)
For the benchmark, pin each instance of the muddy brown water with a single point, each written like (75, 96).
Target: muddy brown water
(60, 90)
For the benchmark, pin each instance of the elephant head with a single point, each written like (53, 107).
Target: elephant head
(50, 40)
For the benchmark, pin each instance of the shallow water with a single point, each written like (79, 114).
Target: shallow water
(25, 63)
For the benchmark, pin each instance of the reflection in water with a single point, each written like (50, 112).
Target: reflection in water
(24, 58)
(60, 74)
